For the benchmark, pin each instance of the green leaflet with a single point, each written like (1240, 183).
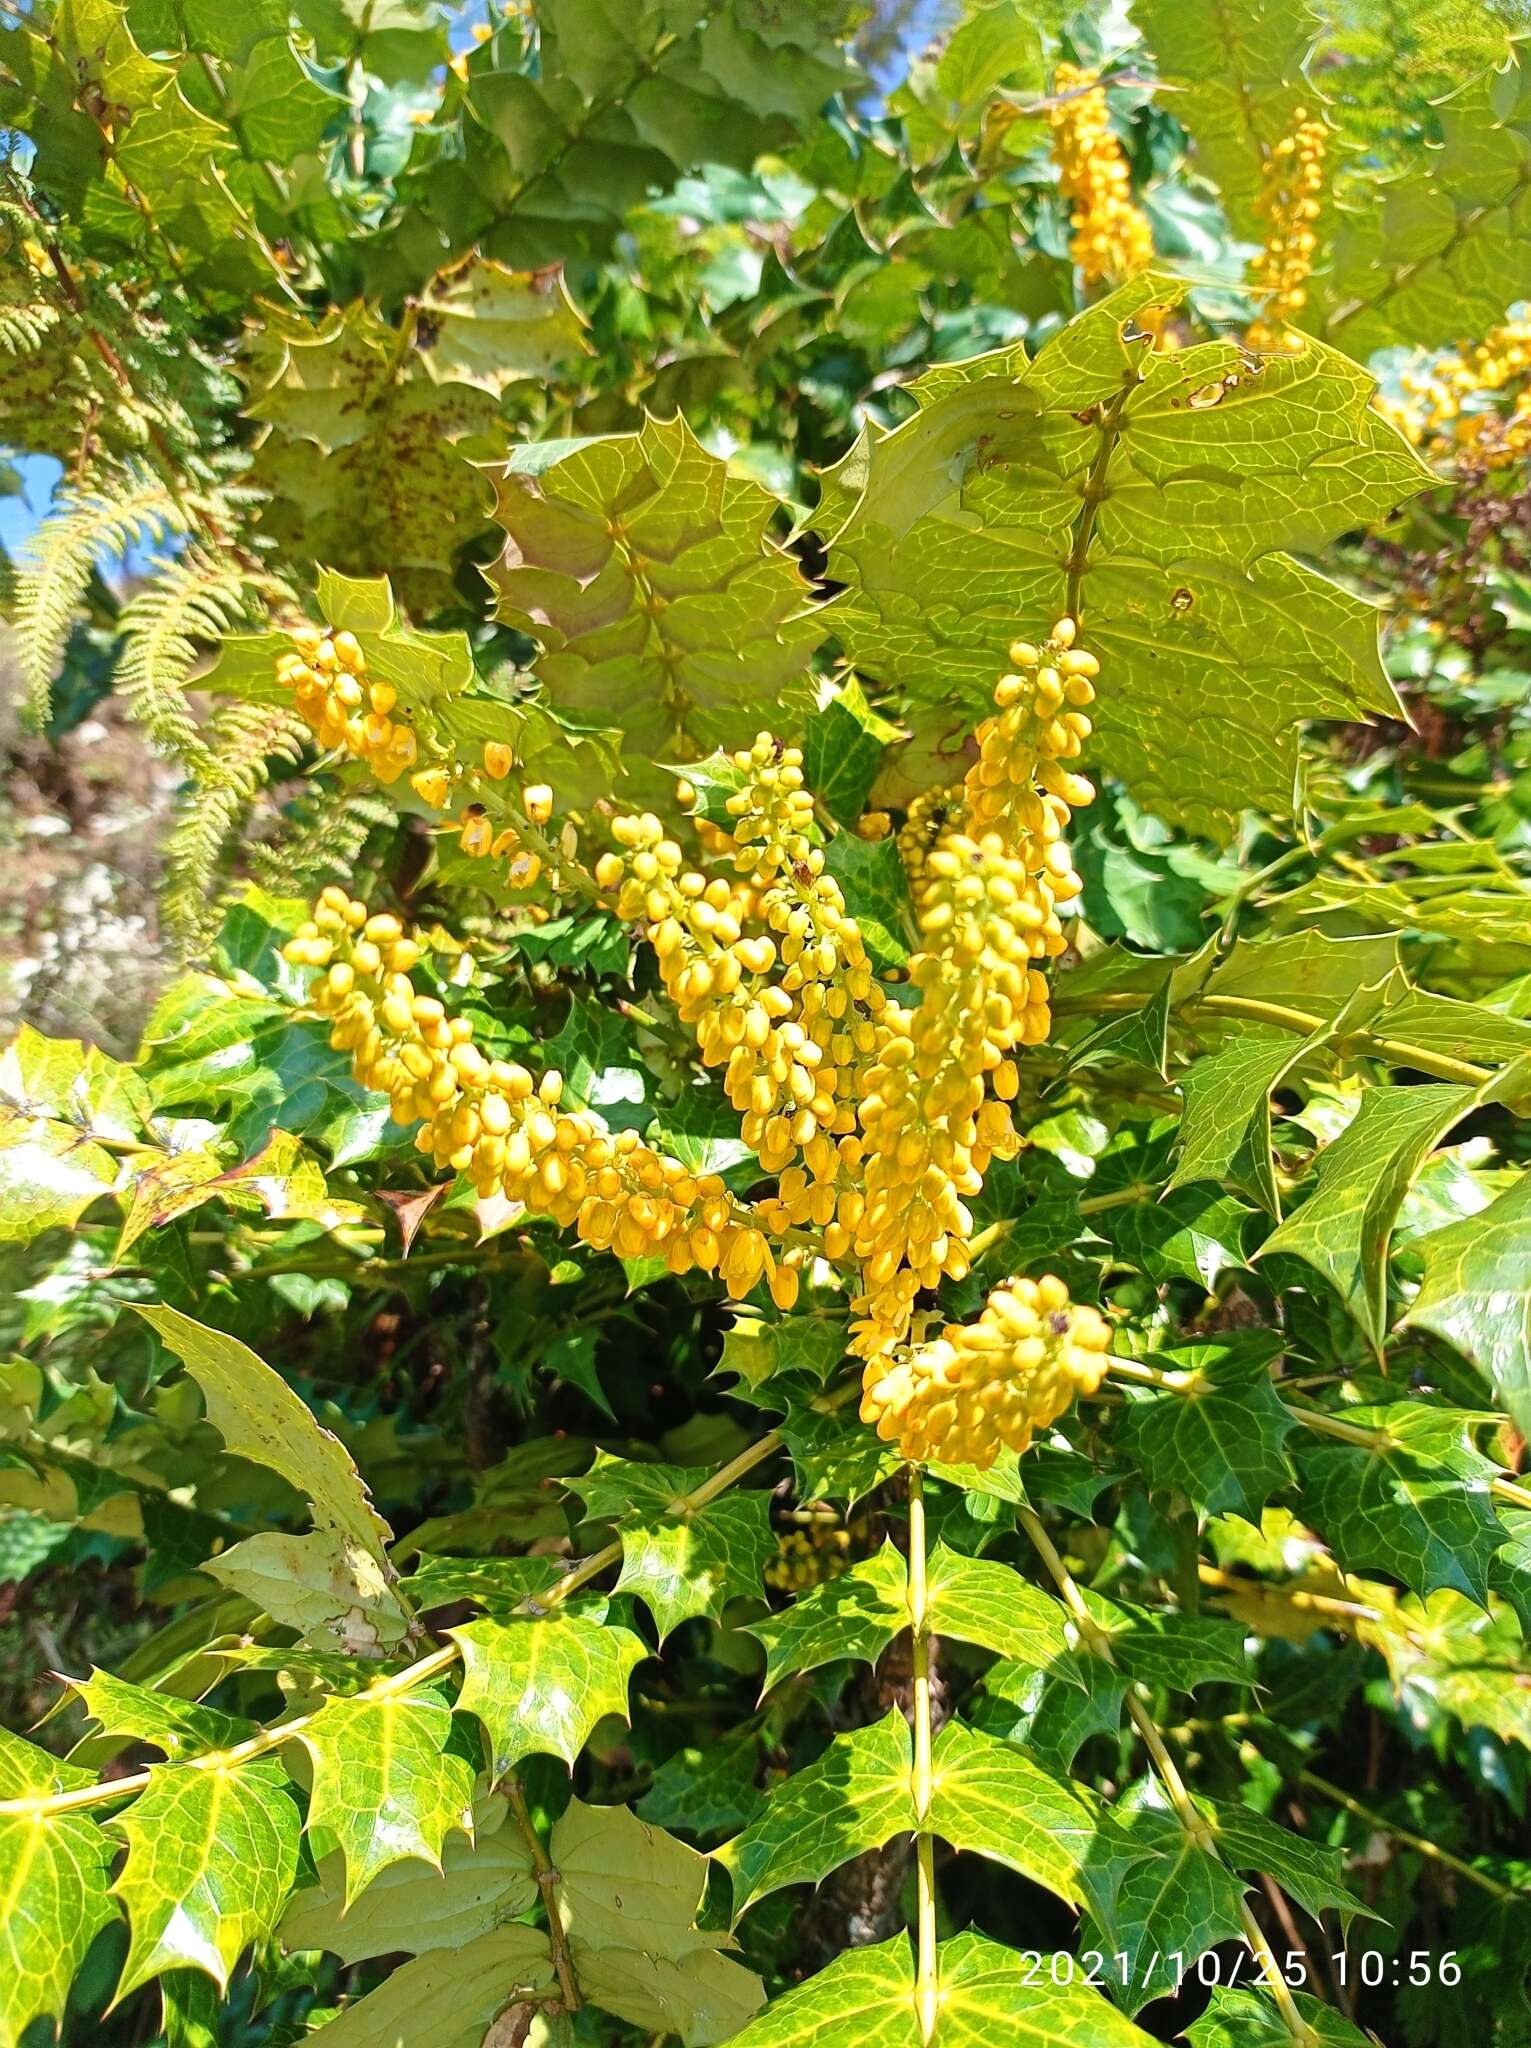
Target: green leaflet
(1164, 1648)
(1237, 77)
(962, 518)
(54, 1870)
(1439, 254)
(855, 1797)
(858, 1614)
(1416, 1505)
(212, 1854)
(990, 1798)
(865, 1998)
(542, 1685)
(181, 1728)
(662, 605)
(1050, 1713)
(411, 1907)
(1237, 2017)
(447, 1999)
(1173, 1900)
(392, 1779)
(1476, 1294)
(843, 741)
(1447, 1654)
(708, 1791)
(1225, 1131)
(260, 1418)
(629, 1895)
(1219, 1440)
(1308, 1869)
(62, 1105)
(1343, 1229)
(679, 1564)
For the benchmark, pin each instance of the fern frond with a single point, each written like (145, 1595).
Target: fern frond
(326, 838)
(56, 564)
(236, 749)
(199, 598)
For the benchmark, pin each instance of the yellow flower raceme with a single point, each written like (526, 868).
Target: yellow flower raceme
(1438, 406)
(1112, 238)
(487, 1118)
(933, 812)
(808, 1557)
(327, 674)
(981, 1386)
(1290, 202)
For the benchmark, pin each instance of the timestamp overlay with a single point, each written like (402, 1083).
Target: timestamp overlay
(1369, 1967)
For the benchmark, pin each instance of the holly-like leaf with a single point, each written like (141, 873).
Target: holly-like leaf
(1476, 1294)
(539, 1686)
(990, 1798)
(1171, 1904)
(212, 1854)
(1310, 1870)
(1238, 2017)
(447, 1998)
(1177, 1650)
(411, 1907)
(856, 1615)
(865, 1996)
(1051, 1713)
(1219, 1438)
(1225, 1132)
(709, 1791)
(260, 1418)
(1344, 1227)
(843, 741)
(663, 608)
(56, 1868)
(493, 327)
(1168, 484)
(629, 1895)
(181, 1728)
(1191, 1233)
(854, 1797)
(977, 1600)
(875, 884)
(392, 1779)
(1416, 1503)
(681, 1562)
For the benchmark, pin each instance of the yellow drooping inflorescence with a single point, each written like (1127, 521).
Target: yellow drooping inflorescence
(981, 1386)
(327, 674)
(932, 812)
(808, 1557)
(876, 1118)
(508, 1133)
(1112, 239)
(1290, 201)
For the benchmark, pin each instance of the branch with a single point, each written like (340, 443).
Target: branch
(548, 1880)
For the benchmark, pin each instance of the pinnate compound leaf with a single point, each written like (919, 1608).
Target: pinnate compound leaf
(260, 1418)
(629, 1895)
(1344, 1227)
(1440, 253)
(856, 1615)
(1219, 1438)
(54, 1901)
(683, 1563)
(963, 519)
(1416, 1504)
(212, 1854)
(540, 1686)
(1476, 1294)
(447, 1998)
(411, 1907)
(856, 1796)
(392, 1779)
(663, 606)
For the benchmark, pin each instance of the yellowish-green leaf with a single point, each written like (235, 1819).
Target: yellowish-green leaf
(540, 1686)
(448, 1998)
(54, 1871)
(1476, 1294)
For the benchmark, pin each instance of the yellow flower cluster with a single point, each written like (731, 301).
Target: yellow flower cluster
(1290, 202)
(770, 973)
(1112, 238)
(988, 903)
(327, 674)
(808, 1557)
(982, 1385)
(488, 1119)
(1438, 406)
(932, 812)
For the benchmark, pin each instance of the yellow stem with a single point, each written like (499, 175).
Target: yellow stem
(927, 1988)
(547, 1883)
